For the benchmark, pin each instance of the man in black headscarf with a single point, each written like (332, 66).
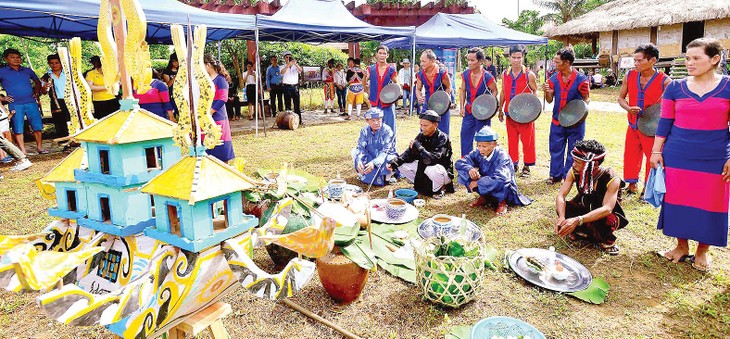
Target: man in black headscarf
(427, 161)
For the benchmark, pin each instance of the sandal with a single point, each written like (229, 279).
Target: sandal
(612, 249)
(552, 181)
(525, 172)
(685, 258)
(702, 267)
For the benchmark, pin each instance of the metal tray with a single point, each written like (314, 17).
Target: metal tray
(579, 279)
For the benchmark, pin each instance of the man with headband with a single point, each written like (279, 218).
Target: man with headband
(488, 171)
(375, 147)
(595, 213)
(427, 161)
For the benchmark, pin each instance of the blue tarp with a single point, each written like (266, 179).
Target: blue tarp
(65, 19)
(322, 21)
(464, 30)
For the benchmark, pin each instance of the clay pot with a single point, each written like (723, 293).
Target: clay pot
(256, 209)
(343, 279)
(280, 255)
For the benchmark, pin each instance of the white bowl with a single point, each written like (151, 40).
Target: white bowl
(419, 203)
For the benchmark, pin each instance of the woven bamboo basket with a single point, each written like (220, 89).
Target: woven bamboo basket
(447, 280)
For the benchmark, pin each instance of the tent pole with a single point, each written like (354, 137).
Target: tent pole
(413, 76)
(546, 72)
(258, 79)
(219, 49)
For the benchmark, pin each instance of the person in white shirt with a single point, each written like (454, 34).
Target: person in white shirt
(404, 77)
(597, 80)
(341, 87)
(290, 80)
(250, 76)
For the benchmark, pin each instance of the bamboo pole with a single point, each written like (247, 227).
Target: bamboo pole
(310, 314)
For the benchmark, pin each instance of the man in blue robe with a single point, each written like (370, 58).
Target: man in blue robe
(375, 146)
(488, 171)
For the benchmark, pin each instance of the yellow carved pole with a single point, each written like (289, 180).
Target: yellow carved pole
(207, 91)
(180, 91)
(120, 35)
(109, 62)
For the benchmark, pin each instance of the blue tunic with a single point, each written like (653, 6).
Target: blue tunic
(377, 148)
(376, 84)
(497, 176)
(432, 86)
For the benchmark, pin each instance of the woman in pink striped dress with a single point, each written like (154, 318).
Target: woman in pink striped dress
(693, 144)
(221, 78)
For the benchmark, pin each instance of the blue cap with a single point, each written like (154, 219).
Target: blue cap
(486, 134)
(374, 113)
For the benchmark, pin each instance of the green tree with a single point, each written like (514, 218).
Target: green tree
(563, 11)
(531, 22)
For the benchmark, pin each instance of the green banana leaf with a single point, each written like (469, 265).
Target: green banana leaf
(459, 332)
(252, 196)
(490, 257)
(596, 293)
(359, 254)
(346, 234)
(384, 249)
(312, 185)
(399, 271)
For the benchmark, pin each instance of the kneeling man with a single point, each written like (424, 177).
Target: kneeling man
(427, 161)
(595, 212)
(375, 146)
(488, 171)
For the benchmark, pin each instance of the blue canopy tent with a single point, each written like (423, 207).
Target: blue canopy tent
(322, 21)
(464, 30)
(318, 21)
(78, 18)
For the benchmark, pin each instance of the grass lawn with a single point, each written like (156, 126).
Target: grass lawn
(649, 297)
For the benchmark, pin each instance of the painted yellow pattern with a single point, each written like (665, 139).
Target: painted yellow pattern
(181, 91)
(207, 90)
(181, 182)
(69, 96)
(7, 242)
(39, 270)
(109, 63)
(284, 284)
(77, 94)
(141, 126)
(136, 51)
(311, 241)
(74, 306)
(280, 216)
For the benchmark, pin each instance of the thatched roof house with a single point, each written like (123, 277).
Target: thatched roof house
(621, 25)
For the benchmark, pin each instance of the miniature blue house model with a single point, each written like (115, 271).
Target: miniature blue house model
(124, 151)
(199, 203)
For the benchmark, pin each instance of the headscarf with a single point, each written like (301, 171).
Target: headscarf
(585, 180)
